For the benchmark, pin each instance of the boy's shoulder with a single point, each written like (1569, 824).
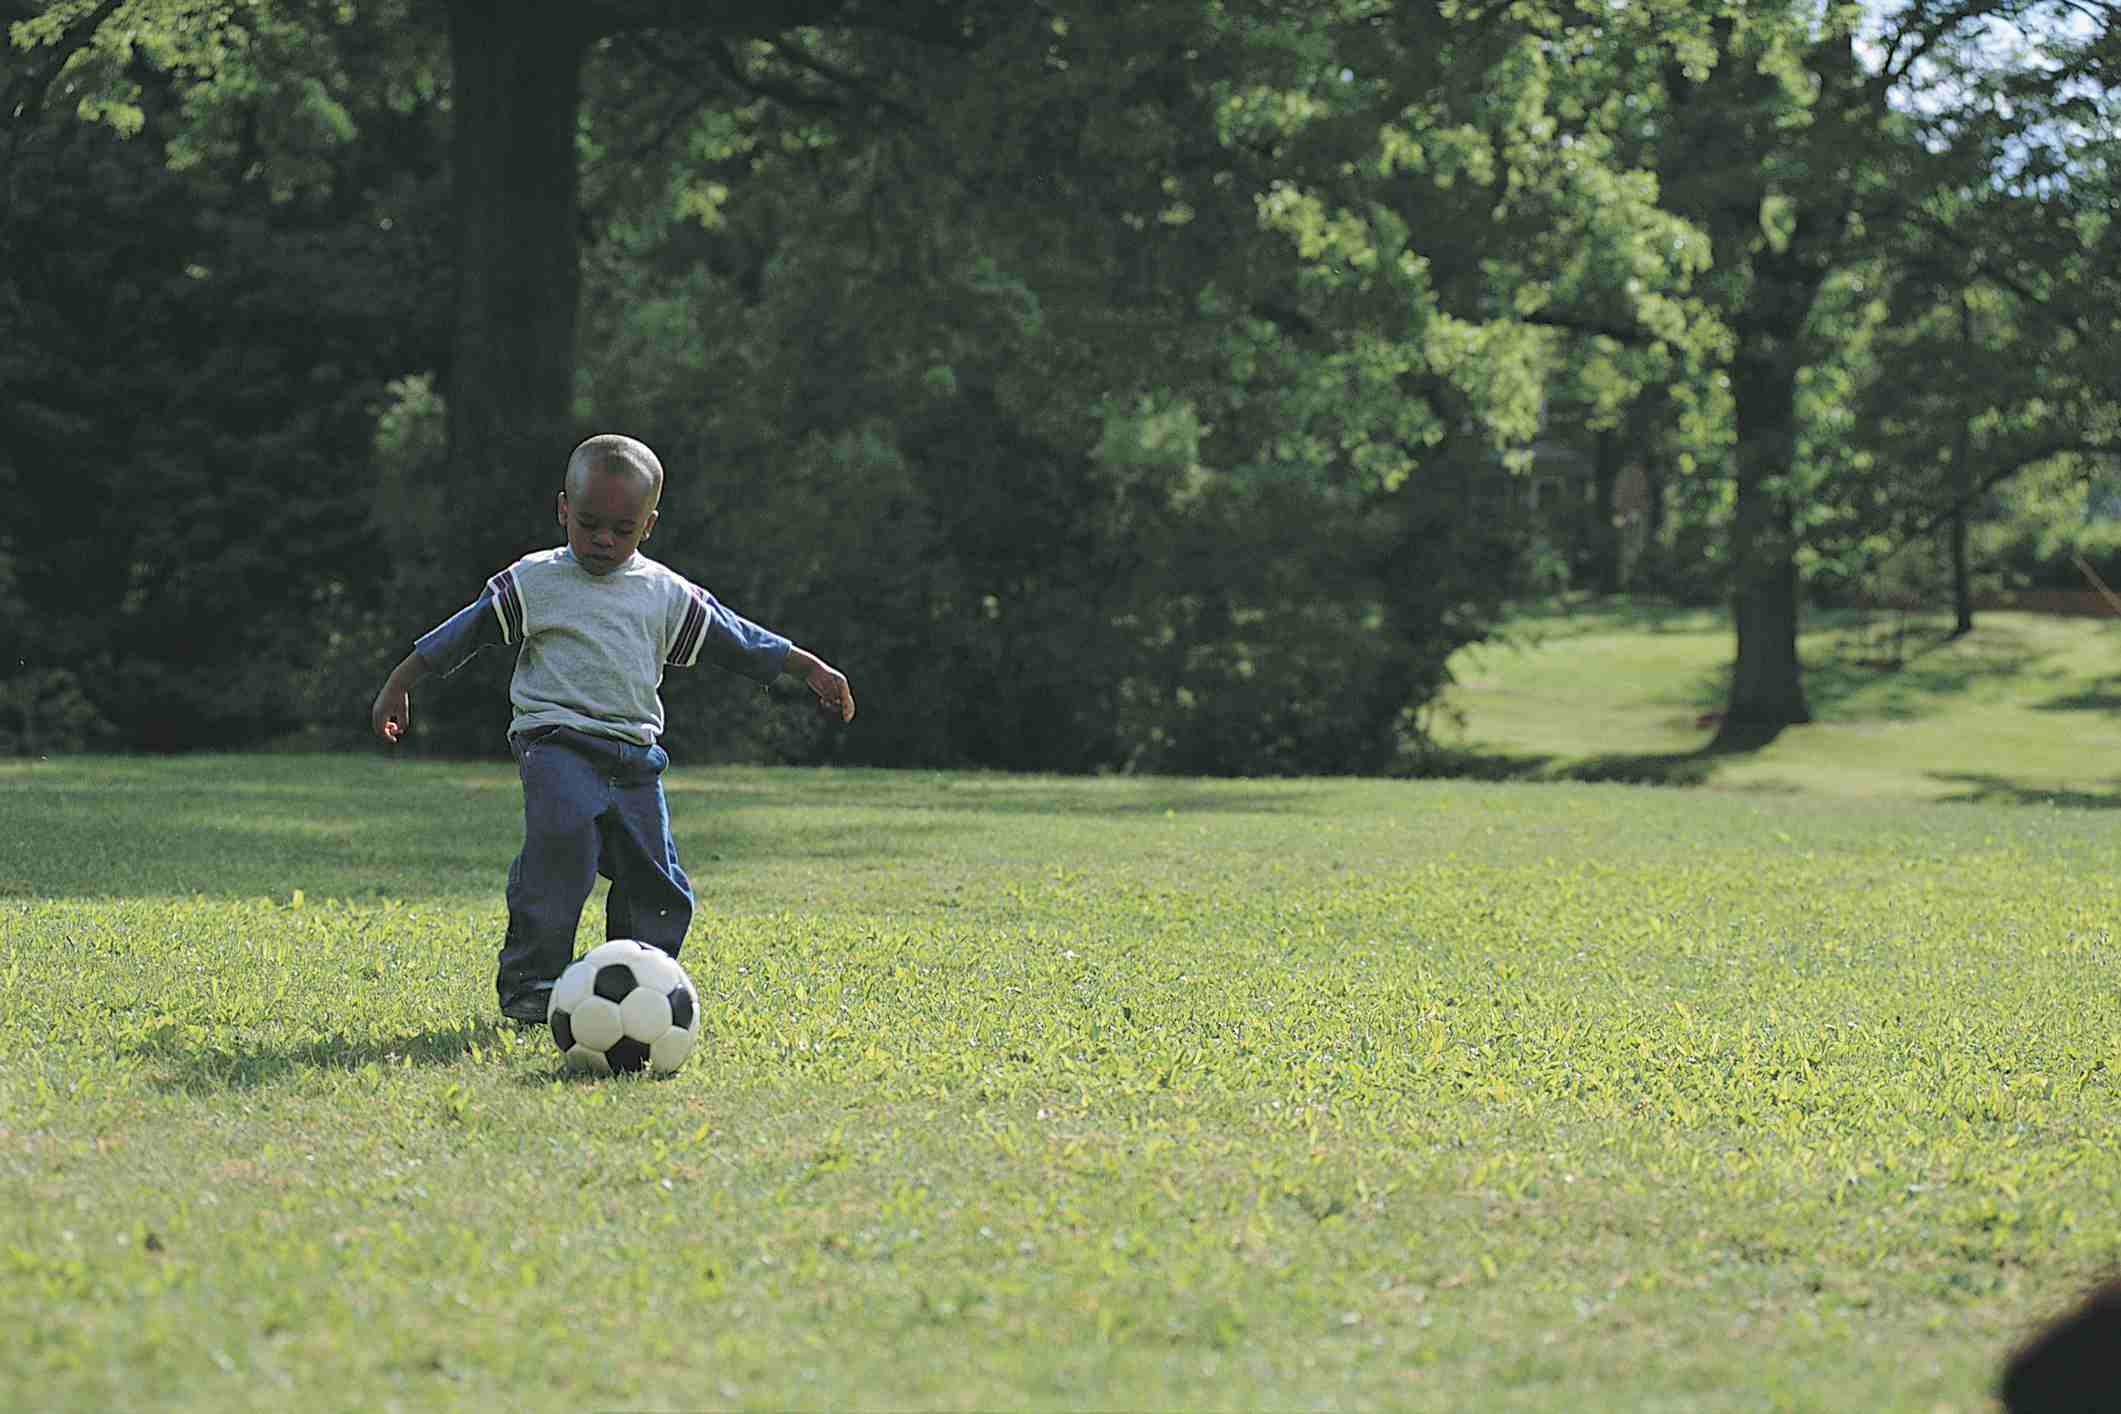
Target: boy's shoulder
(560, 563)
(557, 571)
(665, 584)
(542, 561)
(534, 569)
(653, 569)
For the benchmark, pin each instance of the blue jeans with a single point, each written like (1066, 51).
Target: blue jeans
(591, 805)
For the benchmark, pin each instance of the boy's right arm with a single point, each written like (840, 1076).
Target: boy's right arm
(443, 648)
(392, 712)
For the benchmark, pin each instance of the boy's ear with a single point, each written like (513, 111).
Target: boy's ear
(649, 529)
(559, 508)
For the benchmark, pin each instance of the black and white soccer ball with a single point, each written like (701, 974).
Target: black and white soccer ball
(625, 1006)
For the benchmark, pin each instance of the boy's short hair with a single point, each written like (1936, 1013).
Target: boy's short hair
(612, 451)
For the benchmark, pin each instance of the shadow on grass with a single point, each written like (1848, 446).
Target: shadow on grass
(983, 792)
(365, 845)
(2102, 696)
(1917, 677)
(369, 835)
(1666, 768)
(197, 1070)
(1986, 789)
(1452, 763)
(1147, 796)
(562, 1073)
(1656, 768)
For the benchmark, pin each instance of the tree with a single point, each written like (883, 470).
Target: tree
(1189, 403)
(1798, 143)
(1206, 271)
(515, 98)
(1996, 299)
(187, 391)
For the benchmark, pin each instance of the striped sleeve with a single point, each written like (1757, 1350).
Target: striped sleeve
(507, 605)
(712, 630)
(692, 630)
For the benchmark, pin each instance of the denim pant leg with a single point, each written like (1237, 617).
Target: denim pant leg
(651, 899)
(563, 793)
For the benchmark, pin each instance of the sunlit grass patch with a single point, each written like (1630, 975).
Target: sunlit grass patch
(2019, 711)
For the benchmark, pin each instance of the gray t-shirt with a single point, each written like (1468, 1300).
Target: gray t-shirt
(592, 648)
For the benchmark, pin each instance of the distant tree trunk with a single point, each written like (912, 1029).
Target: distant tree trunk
(1642, 435)
(516, 78)
(1767, 681)
(1962, 492)
(1606, 556)
(1643, 441)
(1962, 575)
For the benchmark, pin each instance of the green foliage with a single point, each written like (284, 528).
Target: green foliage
(43, 712)
(1170, 387)
(1191, 453)
(2045, 522)
(272, 92)
(1021, 1092)
(198, 357)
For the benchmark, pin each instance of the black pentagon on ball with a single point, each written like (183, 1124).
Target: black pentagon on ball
(562, 1031)
(614, 981)
(627, 1055)
(681, 1007)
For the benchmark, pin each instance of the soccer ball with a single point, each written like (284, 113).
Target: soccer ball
(624, 1006)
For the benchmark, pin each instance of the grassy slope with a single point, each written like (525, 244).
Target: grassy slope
(2024, 709)
(1056, 1094)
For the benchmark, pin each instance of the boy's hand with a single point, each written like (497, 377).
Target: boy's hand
(829, 686)
(826, 683)
(391, 714)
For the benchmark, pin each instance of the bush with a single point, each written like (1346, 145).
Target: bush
(44, 711)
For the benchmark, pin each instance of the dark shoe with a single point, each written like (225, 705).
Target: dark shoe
(526, 1011)
(524, 1023)
(524, 1003)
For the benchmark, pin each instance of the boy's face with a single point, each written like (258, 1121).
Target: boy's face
(609, 520)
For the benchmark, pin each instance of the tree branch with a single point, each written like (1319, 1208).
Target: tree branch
(1633, 336)
(758, 17)
(1928, 36)
(725, 60)
(938, 24)
(802, 58)
(25, 99)
(2028, 459)
(1984, 268)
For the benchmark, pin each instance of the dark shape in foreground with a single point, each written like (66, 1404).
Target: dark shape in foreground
(2073, 1364)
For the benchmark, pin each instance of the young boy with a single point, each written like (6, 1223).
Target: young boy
(595, 623)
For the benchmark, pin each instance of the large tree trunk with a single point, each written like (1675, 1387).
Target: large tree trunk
(516, 70)
(1767, 682)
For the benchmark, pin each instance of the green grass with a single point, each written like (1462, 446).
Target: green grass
(2023, 709)
(1056, 1094)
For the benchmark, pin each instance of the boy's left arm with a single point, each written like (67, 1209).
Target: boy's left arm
(707, 628)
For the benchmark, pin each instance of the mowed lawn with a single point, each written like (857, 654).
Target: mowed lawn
(1034, 1093)
(2027, 708)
